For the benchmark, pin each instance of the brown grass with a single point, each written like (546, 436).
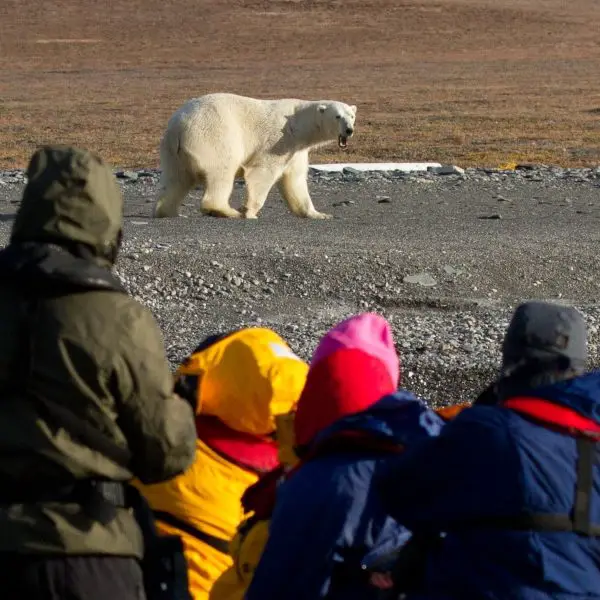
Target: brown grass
(464, 81)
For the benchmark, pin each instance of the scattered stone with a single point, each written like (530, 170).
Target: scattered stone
(495, 216)
(450, 270)
(384, 199)
(446, 170)
(129, 175)
(351, 171)
(422, 279)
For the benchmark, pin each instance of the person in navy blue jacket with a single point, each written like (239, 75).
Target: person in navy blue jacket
(327, 518)
(513, 483)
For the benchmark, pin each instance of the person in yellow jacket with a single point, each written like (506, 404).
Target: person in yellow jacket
(238, 383)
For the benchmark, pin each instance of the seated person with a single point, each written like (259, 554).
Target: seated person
(238, 382)
(350, 418)
(513, 482)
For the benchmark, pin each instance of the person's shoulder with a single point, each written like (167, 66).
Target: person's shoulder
(484, 416)
(332, 476)
(125, 310)
(119, 315)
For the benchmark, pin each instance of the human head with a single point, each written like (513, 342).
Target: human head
(71, 199)
(354, 365)
(547, 335)
(245, 378)
(544, 343)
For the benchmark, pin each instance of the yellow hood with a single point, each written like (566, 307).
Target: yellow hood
(245, 379)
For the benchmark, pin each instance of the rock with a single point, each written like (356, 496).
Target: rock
(446, 170)
(422, 279)
(353, 175)
(450, 270)
(383, 199)
(351, 171)
(129, 175)
(491, 217)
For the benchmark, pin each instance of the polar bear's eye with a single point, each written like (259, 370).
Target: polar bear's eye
(337, 116)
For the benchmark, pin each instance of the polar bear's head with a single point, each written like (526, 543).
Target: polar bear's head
(337, 120)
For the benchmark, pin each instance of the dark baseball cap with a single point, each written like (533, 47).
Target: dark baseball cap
(543, 332)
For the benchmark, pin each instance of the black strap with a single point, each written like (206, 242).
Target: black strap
(214, 542)
(580, 520)
(586, 455)
(524, 522)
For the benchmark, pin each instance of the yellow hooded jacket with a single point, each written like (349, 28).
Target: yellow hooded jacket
(244, 379)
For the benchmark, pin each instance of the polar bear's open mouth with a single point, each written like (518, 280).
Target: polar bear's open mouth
(342, 141)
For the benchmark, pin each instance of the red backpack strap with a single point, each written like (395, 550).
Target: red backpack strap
(554, 415)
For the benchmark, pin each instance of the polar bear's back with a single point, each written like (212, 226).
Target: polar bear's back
(227, 127)
(231, 113)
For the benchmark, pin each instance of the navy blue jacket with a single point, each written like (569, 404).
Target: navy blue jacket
(327, 517)
(492, 461)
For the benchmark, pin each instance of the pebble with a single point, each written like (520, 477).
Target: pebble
(423, 279)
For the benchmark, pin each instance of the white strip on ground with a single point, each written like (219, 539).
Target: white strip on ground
(406, 167)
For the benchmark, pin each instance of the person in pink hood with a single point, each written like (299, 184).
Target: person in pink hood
(327, 522)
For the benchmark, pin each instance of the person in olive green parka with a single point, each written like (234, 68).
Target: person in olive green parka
(86, 394)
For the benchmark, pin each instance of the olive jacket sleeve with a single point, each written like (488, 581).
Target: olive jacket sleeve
(158, 424)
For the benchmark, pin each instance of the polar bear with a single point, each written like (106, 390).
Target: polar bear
(217, 137)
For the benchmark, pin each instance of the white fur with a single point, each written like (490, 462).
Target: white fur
(214, 138)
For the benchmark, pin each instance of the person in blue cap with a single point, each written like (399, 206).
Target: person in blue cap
(512, 484)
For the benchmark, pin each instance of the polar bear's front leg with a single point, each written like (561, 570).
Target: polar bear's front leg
(259, 181)
(293, 186)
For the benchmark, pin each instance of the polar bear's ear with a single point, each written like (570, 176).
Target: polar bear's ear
(353, 109)
(322, 108)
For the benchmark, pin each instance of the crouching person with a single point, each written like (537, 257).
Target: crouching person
(239, 383)
(86, 394)
(514, 481)
(349, 419)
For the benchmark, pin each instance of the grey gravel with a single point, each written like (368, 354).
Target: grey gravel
(200, 275)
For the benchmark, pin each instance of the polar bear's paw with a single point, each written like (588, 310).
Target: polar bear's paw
(318, 215)
(224, 213)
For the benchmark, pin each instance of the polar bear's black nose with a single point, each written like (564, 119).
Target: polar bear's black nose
(349, 131)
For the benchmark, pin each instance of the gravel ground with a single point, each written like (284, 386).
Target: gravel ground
(444, 257)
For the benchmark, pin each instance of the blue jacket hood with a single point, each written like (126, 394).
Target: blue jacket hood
(395, 418)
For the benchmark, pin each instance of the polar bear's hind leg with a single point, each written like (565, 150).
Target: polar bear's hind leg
(217, 191)
(171, 196)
